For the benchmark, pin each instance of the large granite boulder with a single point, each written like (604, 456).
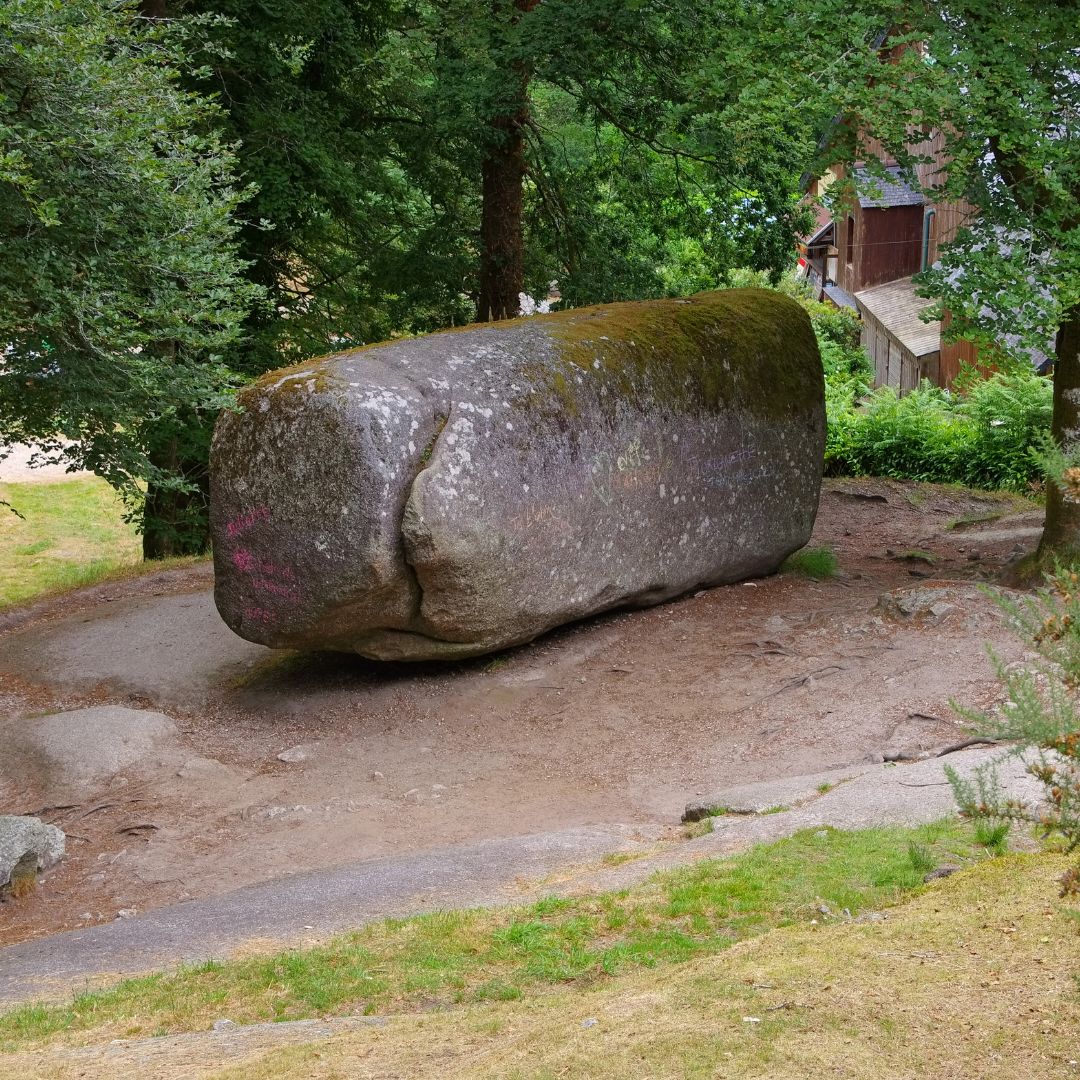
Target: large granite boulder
(449, 495)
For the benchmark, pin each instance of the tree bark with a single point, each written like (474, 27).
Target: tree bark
(1061, 531)
(502, 245)
(177, 522)
(502, 257)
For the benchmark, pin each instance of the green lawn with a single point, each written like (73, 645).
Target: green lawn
(71, 533)
(457, 957)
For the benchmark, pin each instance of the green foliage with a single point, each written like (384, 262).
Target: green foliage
(917, 437)
(1014, 270)
(921, 857)
(984, 436)
(663, 146)
(818, 563)
(1040, 717)
(993, 835)
(120, 285)
(354, 225)
(459, 956)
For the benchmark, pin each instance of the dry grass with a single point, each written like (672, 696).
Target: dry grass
(974, 978)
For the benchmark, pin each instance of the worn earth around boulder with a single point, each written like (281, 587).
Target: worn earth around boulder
(614, 724)
(454, 494)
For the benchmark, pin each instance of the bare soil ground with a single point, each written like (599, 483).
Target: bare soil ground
(624, 718)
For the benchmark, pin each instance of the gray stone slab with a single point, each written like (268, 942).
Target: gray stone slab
(71, 752)
(166, 648)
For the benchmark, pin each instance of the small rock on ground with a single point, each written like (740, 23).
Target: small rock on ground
(27, 846)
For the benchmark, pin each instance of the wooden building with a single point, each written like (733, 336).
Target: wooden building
(880, 238)
(865, 259)
(904, 349)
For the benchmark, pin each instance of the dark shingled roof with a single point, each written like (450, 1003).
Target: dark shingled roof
(840, 297)
(878, 193)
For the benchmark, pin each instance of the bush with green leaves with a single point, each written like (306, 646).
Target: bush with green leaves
(1040, 718)
(981, 435)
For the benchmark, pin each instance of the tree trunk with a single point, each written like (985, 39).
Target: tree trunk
(502, 247)
(1061, 532)
(176, 522)
(502, 257)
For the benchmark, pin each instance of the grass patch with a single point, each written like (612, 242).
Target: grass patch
(618, 858)
(458, 957)
(967, 521)
(817, 563)
(72, 534)
(972, 979)
(692, 830)
(918, 555)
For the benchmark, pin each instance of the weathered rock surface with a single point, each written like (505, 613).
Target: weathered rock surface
(71, 752)
(27, 846)
(462, 492)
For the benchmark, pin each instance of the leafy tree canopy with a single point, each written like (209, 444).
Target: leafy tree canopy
(120, 283)
(1000, 85)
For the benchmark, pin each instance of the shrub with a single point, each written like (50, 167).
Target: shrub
(1011, 415)
(1039, 717)
(982, 436)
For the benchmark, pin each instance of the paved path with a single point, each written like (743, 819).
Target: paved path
(310, 906)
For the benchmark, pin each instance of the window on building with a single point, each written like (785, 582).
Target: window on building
(929, 235)
(850, 257)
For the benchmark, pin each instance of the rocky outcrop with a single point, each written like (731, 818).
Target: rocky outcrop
(453, 494)
(66, 755)
(27, 846)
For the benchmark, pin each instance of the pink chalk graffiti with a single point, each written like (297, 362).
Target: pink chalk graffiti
(243, 560)
(266, 579)
(246, 521)
(268, 585)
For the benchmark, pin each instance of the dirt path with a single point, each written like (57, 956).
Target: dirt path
(16, 467)
(622, 719)
(305, 909)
